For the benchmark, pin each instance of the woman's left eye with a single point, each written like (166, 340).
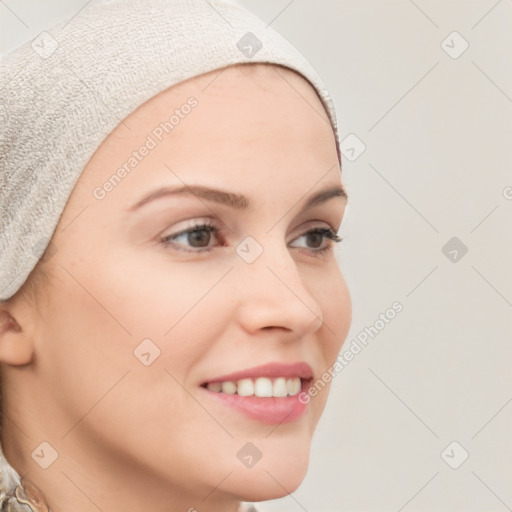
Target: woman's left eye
(198, 238)
(317, 238)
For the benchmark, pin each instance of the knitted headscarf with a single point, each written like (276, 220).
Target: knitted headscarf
(64, 92)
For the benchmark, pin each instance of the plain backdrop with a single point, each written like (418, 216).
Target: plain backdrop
(420, 419)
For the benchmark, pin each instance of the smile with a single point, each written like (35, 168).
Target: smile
(267, 393)
(261, 387)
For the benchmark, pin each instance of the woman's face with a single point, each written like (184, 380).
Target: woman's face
(141, 313)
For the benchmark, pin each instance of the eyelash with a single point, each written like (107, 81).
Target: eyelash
(328, 233)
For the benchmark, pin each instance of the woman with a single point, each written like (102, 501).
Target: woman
(168, 282)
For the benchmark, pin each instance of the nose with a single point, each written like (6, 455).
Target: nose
(273, 295)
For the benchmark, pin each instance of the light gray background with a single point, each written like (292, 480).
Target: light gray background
(438, 133)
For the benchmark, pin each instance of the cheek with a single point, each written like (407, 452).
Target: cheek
(157, 298)
(334, 298)
(97, 343)
(83, 352)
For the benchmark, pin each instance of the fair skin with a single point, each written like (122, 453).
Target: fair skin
(132, 437)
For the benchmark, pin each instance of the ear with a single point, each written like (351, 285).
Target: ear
(16, 343)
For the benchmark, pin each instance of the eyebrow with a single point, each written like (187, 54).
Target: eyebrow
(230, 199)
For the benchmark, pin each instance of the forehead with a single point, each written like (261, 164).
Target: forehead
(242, 92)
(239, 121)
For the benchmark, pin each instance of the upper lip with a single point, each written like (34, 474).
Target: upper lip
(270, 370)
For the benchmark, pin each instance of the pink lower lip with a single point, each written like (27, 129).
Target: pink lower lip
(270, 410)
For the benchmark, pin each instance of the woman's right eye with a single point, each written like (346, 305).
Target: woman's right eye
(197, 238)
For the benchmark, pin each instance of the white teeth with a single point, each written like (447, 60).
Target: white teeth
(261, 387)
(279, 387)
(293, 386)
(245, 387)
(229, 387)
(214, 386)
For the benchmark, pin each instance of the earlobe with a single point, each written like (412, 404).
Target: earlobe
(16, 347)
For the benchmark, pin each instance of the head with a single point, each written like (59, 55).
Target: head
(106, 348)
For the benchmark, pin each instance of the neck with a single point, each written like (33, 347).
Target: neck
(87, 479)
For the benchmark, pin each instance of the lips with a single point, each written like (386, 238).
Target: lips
(270, 370)
(267, 393)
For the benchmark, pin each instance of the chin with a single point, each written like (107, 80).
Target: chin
(277, 476)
